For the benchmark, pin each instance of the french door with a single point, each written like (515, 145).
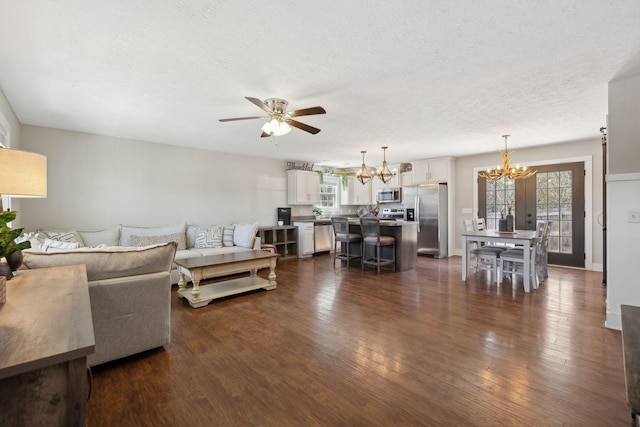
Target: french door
(555, 193)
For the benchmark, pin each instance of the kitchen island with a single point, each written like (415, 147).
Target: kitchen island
(406, 235)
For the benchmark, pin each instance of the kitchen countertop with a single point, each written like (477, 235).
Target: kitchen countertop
(352, 220)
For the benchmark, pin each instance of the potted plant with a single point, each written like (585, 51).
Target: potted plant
(9, 249)
(317, 212)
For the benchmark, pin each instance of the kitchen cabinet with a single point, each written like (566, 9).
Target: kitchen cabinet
(355, 193)
(303, 187)
(432, 170)
(305, 238)
(284, 238)
(406, 178)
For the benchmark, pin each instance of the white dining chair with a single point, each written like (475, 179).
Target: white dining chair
(486, 257)
(480, 224)
(512, 260)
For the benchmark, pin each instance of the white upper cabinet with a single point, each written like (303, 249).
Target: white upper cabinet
(406, 178)
(355, 193)
(433, 170)
(303, 187)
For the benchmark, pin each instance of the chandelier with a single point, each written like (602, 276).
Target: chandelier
(517, 172)
(362, 174)
(277, 126)
(384, 173)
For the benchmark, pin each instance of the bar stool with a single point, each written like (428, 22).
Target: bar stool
(342, 235)
(371, 237)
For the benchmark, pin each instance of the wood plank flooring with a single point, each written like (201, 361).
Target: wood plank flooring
(346, 348)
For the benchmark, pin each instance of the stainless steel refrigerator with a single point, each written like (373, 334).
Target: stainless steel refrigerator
(429, 205)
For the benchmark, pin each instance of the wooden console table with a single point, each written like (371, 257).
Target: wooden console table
(46, 333)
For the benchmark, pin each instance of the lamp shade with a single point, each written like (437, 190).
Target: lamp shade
(22, 174)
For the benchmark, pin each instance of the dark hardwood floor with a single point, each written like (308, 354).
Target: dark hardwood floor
(346, 348)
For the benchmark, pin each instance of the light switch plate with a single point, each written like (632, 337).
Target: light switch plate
(633, 216)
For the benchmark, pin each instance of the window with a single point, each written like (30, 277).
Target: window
(328, 196)
(500, 200)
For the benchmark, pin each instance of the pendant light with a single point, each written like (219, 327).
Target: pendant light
(385, 174)
(362, 174)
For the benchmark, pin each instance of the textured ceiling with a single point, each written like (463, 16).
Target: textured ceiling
(427, 78)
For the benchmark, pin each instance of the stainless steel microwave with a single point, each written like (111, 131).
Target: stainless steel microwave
(389, 195)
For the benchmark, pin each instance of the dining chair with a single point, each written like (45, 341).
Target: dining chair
(486, 256)
(544, 251)
(344, 238)
(480, 224)
(372, 239)
(512, 260)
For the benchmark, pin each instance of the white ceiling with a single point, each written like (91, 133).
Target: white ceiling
(427, 78)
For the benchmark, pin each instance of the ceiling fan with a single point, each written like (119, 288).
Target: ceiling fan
(280, 120)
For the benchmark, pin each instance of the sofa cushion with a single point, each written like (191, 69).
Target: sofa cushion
(227, 235)
(209, 237)
(127, 231)
(109, 237)
(139, 241)
(243, 234)
(187, 253)
(111, 262)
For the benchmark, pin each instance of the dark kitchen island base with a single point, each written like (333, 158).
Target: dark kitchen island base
(406, 235)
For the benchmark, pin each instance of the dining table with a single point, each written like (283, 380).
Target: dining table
(525, 238)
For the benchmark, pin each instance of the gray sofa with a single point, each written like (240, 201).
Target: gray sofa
(193, 240)
(130, 293)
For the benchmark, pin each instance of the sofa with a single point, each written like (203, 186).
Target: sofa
(130, 272)
(129, 292)
(192, 240)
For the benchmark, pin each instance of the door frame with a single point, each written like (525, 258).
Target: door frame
(588, 197)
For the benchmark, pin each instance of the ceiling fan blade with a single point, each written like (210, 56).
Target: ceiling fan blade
(307, 112)
(259, 103)
(265, 135)
(303, 127)
(242, 118)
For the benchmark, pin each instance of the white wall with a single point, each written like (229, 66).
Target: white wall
(95, 182)
(623, 195)
(466, 193)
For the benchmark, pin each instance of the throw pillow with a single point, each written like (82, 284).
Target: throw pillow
(243, 234)
(63, 236)
(179, 238)
(209, 237)
(110, 237)
(227, 236)
(127, 231)
(49, 243)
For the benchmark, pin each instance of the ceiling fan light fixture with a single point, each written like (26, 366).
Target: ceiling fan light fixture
(280, 121)
(283, 129)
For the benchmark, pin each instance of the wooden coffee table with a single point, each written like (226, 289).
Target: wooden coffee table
(224, 265)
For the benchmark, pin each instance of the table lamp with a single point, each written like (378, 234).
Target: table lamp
(22, 174)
